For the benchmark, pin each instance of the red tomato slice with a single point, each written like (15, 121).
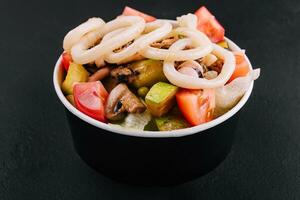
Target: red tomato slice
(132, 12)
(208, 24)
(197, 106)
(66, 60)
(90, 98)
(241, 67)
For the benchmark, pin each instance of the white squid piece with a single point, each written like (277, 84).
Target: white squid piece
(184, 81)
(131, 26)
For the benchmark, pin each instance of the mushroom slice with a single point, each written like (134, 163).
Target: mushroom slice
(121, 100)
(122, 74)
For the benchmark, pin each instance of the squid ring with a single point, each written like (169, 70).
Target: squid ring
(154, 32)
(186, 81)
(131, 26)
(196, 39)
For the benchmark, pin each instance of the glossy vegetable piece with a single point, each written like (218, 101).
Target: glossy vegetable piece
(197, 106)
(169, 123)
(223, 44)
(241, 67)
(70, 98)
(76, 73)
(148, 72)
(90, 99)
(132, 12)
(160, 98)
(66, 60)
(208, 24)
(151, 126)
(142, 91)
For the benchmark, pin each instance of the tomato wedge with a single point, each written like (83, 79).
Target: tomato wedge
(208, 24)
(66, 60)
(241, 67)
(197, 106)
(90, 98)
(132, 12)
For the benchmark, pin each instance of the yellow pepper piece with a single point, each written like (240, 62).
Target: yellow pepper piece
(148, 73)
(76, 73)
(223, 44)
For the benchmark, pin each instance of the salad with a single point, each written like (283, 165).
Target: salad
(144, 73)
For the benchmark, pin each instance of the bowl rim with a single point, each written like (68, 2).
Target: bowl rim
(152, 134)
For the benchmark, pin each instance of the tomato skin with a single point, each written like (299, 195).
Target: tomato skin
(66, 60)
(90, 98)
(196, 105)
(133, 12)
(208, 24)
(241, 67)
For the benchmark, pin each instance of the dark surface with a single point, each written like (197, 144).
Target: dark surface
(37, 159)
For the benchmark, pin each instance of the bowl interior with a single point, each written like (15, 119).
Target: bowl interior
(58, 78)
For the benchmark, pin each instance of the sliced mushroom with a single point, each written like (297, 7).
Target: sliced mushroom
(99, 75)
(122, 74)
(191, 68)
(121, 100)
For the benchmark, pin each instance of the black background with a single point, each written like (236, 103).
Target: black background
(37, 159)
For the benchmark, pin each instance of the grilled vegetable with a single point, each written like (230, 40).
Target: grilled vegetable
(147, 73)
(223, 44)
(76, 73)
(71, 99)
(160, 98)
(170, 123)
(151, 126)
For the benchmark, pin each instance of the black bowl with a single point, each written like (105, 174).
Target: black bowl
(151, 158)
(152, 161)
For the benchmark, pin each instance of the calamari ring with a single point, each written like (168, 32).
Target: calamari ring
(185, 81)
(154, 31)
(132, 27)
(197, 39)
(75, 35)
